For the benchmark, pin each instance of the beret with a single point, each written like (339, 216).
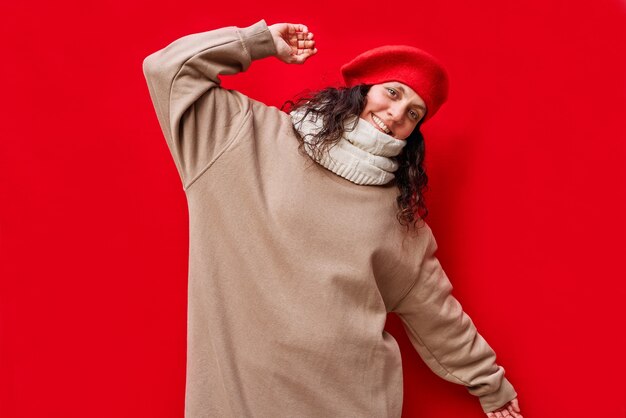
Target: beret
(406, 64)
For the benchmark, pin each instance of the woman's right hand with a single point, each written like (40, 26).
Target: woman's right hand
(510, 410)
(294, 43)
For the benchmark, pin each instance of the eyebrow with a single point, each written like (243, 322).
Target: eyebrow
(404, 92)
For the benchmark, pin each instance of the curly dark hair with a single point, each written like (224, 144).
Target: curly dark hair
(336, 105)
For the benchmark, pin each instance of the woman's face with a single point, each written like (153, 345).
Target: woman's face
(394, 108)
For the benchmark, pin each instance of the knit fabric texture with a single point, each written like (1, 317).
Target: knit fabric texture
(364, 155)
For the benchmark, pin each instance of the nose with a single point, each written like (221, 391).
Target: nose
(395, 113)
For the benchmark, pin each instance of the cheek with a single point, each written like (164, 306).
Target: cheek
(370, 105)
(365, 111)
(375, 102)
(406, 131)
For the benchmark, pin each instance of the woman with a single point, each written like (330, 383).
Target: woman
(300, 243)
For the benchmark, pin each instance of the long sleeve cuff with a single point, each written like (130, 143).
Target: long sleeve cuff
(499, 398)
(257, 40)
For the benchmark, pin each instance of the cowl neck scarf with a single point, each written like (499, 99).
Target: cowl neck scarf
(364, 155)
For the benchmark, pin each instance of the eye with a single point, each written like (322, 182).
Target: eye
(391, 91)
(414, 114)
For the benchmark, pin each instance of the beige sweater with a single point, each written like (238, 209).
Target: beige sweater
(293, 269)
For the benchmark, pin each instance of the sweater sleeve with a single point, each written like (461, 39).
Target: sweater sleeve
(199, 119)
(446, 338)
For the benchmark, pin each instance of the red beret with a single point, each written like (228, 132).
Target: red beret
(406, 64)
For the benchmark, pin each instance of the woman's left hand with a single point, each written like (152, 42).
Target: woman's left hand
(294, 43)
(511, 409)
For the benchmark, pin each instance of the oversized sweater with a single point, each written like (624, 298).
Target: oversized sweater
(292, 268)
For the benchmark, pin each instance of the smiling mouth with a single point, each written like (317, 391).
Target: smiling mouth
(380, 124)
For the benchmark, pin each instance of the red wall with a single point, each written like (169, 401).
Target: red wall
(527, 195)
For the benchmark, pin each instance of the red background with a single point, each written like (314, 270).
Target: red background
(527, 195)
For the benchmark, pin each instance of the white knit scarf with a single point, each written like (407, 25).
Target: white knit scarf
(363, 155)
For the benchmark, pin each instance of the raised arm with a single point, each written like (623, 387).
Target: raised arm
(446, 338)
(199, 119)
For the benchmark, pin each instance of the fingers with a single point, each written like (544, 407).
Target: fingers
(306, 44)
(304, 35)
(303, 47)
(514, 409)
(298, 27)
(293, 28)
(515, 414)
(302, 57)
(300, 41)
(505, 411)
(515, 405)
(495, 414)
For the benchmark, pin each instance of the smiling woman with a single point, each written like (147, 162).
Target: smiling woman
(394, 88)
(296, 260)
(395, 108)
(331, 134)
